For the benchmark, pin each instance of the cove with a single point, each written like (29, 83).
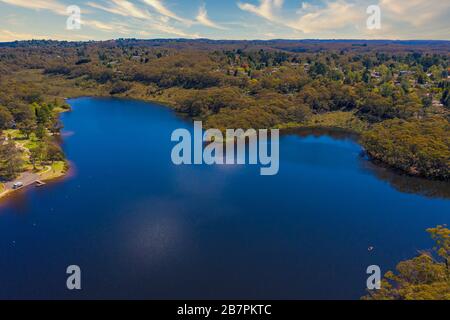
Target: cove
(141, 227)
(211, 148)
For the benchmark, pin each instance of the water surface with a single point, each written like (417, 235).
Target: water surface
(140, 227)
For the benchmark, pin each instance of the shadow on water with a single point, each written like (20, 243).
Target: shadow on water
(406, 183)
(398, 180)
(335, 133)
(141, 227)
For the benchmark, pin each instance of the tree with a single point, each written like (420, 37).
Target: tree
(376, 108)
(441, 236)
(318, 68)
(11, 160)
(425, 277)
(27, 127)
(6, 118)
(56, 126)
(299, 113)
(120, 87)
(38, 154)
(43, 114)
(41, 132)
(23, 112)
(446, 98)
(54, 152)
(366, 76)
(419, 146)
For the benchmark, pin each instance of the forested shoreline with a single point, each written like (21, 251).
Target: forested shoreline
(394, 95)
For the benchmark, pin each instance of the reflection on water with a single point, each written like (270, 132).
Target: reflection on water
(409, 184)
(397, 179)
(17, 200)
(335, 133)
(141, 227)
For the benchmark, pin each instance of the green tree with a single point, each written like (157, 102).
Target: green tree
(23, 112)
(40, 132)
(27, 127)
(11, 160)
(56, 126)
(441, 236)
(425, 277)
(366, 76)
(54, 152)
(6, 118)
(419, 146)
(38, 154)
(318, 68)
(446, 98)
(44, 114)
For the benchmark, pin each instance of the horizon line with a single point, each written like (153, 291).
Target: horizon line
(224, 40)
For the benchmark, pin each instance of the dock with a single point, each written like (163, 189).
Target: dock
(39, 183)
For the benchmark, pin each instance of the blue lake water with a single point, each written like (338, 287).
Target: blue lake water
(141, 227)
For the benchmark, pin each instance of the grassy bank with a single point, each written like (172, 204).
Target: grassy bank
(54, 171)
(26, 145)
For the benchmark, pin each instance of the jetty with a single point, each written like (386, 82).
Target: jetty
(39, 183)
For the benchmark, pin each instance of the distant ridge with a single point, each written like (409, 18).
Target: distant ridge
(301, 45)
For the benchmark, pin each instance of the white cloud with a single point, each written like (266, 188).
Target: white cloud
(98, 25)
(418, 13)
(266, 9)
(123, 8)
(161, 9)
(144, 23)
(60, 9)
(164, 28)
(203, 19)
(334, 16)
(401, 19)
(7, 36)
(51, 5)
(331, 17)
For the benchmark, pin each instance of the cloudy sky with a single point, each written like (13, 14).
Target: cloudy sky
(224, 19)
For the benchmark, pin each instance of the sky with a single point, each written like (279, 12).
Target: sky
(224, 19)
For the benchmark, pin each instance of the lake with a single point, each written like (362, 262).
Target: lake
(140, 227)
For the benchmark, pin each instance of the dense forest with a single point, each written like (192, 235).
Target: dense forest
(395, 95)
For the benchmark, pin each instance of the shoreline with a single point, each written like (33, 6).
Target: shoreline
(346, 126)
(53, 178)
(285, 129)
(62, 174)
(6, 193)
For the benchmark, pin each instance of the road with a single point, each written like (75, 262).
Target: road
(27, 178)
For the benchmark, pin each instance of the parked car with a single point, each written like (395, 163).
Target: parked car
(17, 185)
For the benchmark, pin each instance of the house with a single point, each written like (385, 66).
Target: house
(437, 103)
(406, 73)
(375, 74)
